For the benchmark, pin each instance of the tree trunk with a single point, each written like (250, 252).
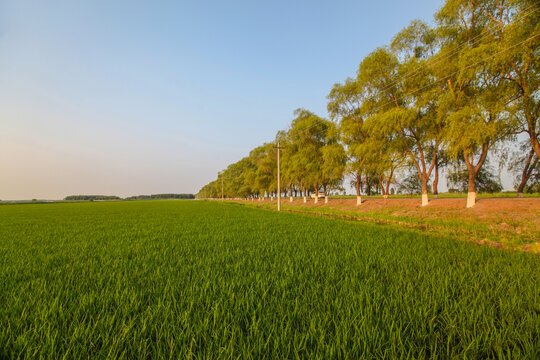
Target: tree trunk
(436, 181)
(305, 199)
(316, 193)
(425, 199)
(358, 196)
(535, 144)
(527, 172)
(381, 185)
(520, 188)
(471, 186)
(473, 173)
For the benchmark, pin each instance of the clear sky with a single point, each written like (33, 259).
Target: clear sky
(139, 97)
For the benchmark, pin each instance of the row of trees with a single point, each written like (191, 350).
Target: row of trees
(435, 96)
(91, 197)
(138, 197)
(161, 197)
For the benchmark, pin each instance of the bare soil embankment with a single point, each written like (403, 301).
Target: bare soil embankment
(502, 222)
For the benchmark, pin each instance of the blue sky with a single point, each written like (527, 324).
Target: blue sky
(139, 97)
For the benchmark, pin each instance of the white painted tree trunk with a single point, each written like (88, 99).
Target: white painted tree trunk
(519, 195)
(385, 196)
(316, 199)
(272, 198)
(290, 199)
(425, 199)
(305, 200)
(326, 199)
(471, 199)
(358, 200)
(435, 196)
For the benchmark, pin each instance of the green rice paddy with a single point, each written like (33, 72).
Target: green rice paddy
(195, 279)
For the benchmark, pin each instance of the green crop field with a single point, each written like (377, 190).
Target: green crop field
(194, 279)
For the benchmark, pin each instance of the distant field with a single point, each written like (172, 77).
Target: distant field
(197, 279)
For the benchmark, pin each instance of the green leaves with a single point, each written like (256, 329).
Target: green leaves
(463, 86)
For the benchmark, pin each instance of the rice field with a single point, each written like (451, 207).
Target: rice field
(196, 279)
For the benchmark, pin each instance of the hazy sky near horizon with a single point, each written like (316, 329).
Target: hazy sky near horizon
(140, 97)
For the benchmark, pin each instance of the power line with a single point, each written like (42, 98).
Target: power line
(452, 52)
(483, 34)
(449, 76)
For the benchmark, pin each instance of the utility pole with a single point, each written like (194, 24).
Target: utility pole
(222, 198)
(278, 178)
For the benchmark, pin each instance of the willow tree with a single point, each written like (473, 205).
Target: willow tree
(210, 190)
(264, 160)
(476, 117)
(308, 134)
(382, 155)
(405, 101)
(286, 172)
(414, 114)
(250, 176)
(334, 161)
(400, 124)
(232, 180)
(514, 44)
(241, 178)
(345, 107)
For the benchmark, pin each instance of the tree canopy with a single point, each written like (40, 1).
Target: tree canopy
(437, 96)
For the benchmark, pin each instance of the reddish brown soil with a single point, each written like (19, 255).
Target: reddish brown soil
(509, 221)
(483, 207)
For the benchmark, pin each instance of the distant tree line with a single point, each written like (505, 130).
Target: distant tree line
(92, 197)
(436, 97)
(138, 197)
(161, 196)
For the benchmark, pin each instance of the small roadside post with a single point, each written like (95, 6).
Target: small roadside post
(221, 174)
